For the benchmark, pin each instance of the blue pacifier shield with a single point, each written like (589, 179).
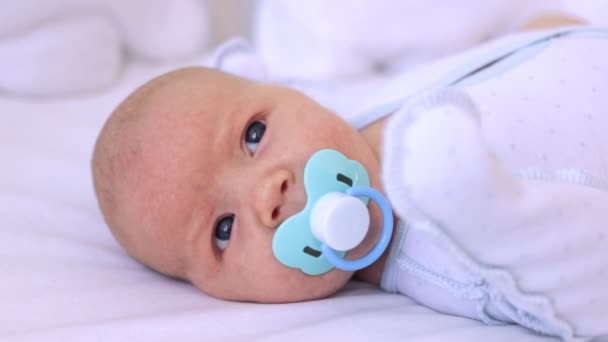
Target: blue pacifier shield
(294, 243)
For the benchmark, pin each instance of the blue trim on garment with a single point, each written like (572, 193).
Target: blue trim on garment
(504, 64)
(377, 112)
(508, 50)
(389, 274)
(483, 63)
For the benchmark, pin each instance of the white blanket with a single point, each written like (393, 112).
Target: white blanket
(64, 278)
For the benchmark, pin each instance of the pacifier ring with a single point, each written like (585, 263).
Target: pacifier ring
(331, 216)
(385, 237)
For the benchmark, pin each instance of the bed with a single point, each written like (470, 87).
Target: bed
(64, 277)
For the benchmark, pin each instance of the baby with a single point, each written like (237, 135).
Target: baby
(489, 172)
(196, 169)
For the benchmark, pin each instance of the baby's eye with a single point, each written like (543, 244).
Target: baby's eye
(223, 229)
(253, 135)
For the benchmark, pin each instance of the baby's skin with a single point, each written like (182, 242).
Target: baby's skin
(197, 168)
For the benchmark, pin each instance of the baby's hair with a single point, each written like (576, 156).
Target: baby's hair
(114, 153)
(115, 166)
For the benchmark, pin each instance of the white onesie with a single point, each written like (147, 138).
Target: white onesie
(500, 173)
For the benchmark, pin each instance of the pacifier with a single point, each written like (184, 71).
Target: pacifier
(335, 218)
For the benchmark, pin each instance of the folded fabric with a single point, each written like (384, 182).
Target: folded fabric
(237, 56)
(64, 46)
(503, 164)
(319, 39)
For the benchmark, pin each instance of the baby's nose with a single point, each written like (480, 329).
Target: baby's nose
(270, 198)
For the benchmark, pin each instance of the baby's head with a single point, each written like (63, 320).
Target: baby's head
(196, 169)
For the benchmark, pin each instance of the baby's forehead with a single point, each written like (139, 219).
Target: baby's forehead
(192, 121)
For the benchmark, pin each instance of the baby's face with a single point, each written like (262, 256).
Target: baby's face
(222, 167)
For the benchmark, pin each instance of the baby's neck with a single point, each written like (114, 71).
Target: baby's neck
(373, 135)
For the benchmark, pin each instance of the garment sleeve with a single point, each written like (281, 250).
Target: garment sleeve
(544, 237)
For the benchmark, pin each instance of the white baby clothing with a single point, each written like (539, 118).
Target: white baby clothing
(499, 171)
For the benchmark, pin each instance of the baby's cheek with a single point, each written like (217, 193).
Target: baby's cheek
(299, 286)
(337, 135)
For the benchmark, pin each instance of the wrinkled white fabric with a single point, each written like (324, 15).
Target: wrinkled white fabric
(502, 171)
(318, 39)
(66, 47)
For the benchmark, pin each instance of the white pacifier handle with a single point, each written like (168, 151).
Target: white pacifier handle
(339, 220)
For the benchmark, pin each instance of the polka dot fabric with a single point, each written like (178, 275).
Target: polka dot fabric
(511, 165)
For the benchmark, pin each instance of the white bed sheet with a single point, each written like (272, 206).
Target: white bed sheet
(64, 278)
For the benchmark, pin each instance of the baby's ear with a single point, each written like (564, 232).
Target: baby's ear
(236, 56)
